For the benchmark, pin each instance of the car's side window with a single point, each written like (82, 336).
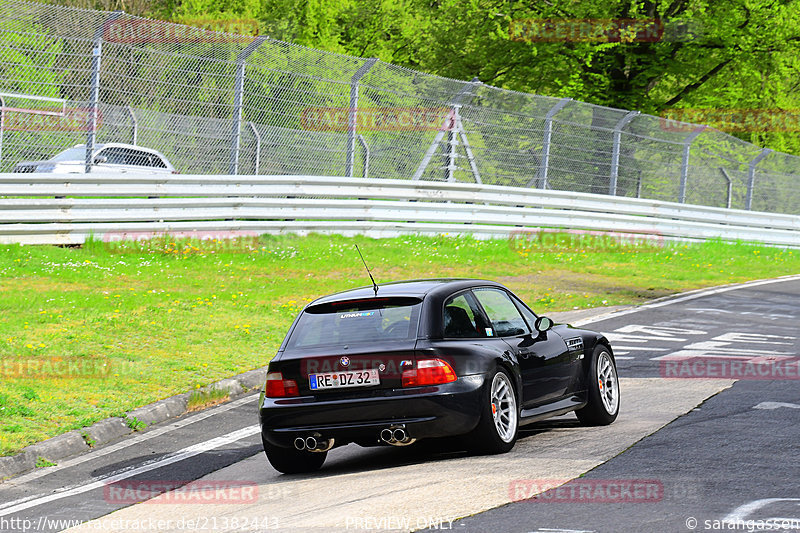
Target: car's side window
(530, 318)
(145, 159)
(114, 156)
(126, 156)
(462, 320)
(502, 312)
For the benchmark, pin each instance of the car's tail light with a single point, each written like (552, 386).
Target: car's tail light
(429, 372)
(277, 387)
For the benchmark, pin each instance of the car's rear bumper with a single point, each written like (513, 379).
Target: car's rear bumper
(438, 411)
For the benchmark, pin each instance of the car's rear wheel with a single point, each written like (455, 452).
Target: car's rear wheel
(497, 429)
(603, 390)
(291, 461)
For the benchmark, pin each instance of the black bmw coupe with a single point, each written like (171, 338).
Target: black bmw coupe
(420, 359)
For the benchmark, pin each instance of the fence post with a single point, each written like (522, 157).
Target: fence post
(258, 145)
(135, 136)
(751, 177)
(612, 183)
(452, 145)
(2, 126)
(94, 98)
(365, 158)
(544, 163)
(687, 144)
(639, 185)
(91, 128)
(468, 149)
(728, 179)
(238, 90)
(449, 124)
(352, 117)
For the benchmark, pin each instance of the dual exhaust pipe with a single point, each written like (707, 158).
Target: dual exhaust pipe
(313, 443)
(396, 436)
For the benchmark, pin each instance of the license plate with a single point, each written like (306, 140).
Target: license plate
(344, 379)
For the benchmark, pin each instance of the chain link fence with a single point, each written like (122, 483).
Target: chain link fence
(220, 103)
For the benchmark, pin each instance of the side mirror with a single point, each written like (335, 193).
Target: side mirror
(543, 324)
(100, 159)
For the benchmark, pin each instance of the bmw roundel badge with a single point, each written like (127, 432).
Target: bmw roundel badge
(344, 361)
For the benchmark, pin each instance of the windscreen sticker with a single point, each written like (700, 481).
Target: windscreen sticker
(489, 332)
(357, 315)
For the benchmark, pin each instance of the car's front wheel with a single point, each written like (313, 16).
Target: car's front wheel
(291, 461)
(497, 429)
(602, 390)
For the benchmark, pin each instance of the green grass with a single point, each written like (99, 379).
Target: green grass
(200, 399)
(115, 331)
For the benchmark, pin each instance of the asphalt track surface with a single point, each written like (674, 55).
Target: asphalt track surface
(702, 449)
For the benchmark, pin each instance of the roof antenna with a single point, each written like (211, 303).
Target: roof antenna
(374, 285)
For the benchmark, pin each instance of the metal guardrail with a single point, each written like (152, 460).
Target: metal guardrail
(68, 208)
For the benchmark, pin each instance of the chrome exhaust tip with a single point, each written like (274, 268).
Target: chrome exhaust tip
(399, 434)
(300, 443)
(396, 436)
(322, 445)
(311, 443)
(387, 436)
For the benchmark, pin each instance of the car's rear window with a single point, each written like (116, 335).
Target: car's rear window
(357, 321)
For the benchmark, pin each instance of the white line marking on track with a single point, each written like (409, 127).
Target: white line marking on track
(776, 405)
(645, 348)
(743, 511)
(692, 295)
(91, 456)
(100, 482)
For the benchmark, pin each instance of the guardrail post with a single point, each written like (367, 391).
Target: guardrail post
(687, 144)
(448, 125)
(751, 177)
(135, 136)
(544, 163)
(258, 145)
(94, 98)
(730, 187)
(365, 157)
(612, 183)
(352, 115)
(238, 95)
